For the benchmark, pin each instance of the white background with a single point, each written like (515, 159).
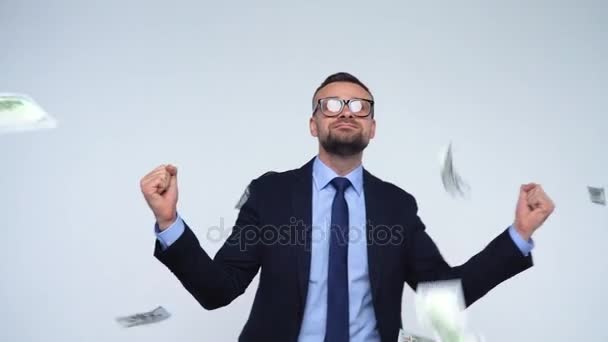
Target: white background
(223, 91)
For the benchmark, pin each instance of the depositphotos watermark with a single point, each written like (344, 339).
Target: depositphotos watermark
(296, 233)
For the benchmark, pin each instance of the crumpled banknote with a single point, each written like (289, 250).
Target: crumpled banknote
(597, 195)
(452, 181)
(440, 308)
(154, 316)
(20, 113)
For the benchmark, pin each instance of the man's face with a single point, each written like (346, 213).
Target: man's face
(345, 134)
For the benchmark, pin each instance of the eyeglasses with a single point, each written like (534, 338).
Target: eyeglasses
(333, 106)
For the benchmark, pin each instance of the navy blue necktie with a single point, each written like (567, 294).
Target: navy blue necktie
(337, 275)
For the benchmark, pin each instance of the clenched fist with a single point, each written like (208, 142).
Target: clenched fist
(533, 208)
(160, 191)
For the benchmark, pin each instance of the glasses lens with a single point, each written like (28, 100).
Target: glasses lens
(331, 106)
(355, 106)
(360, 107)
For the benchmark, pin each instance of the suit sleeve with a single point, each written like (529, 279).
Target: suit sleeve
(216, 282)
(500, 260)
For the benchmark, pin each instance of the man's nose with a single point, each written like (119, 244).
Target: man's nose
(346, 112)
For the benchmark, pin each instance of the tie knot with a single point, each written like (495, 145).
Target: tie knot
(340, 183)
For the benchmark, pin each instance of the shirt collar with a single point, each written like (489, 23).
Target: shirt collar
(322, 176)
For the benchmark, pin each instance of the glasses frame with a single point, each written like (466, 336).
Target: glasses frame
(343, 104)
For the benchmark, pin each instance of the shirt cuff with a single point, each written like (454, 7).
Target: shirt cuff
(168, 236)
(524, 246)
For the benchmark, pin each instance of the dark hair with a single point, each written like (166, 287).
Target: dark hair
(340, 77)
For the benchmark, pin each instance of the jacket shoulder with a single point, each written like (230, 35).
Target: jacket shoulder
(271, 182)
(392, 190)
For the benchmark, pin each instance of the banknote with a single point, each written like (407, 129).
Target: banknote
(154, 316)
(19, 112)
(246, 193)
(406, 336)
(243, 199)
(597, 195)
(440, 308)
(452, 181)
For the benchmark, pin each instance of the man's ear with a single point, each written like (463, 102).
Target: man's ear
(313, 126)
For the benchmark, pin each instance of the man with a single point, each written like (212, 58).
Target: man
(335, 244)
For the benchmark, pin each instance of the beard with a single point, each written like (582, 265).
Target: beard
(344, 146)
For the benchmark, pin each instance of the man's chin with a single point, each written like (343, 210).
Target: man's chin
(344, 149)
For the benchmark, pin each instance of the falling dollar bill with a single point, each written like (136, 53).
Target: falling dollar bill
(243, 199)
(406, 336)
(440, 308)
(452, 182)
(154, 316)
(597, 195)
(21, 113)
(245, 195)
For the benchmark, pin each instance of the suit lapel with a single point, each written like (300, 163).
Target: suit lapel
(373, 214)
(301, 200)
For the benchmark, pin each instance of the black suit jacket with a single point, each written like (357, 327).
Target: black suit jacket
(272, 234)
